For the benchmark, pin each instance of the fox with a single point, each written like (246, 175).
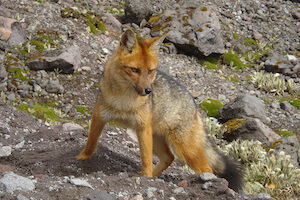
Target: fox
(134, 93)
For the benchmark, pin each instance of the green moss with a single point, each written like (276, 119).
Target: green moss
(210, 65)
(233, 58)
(83, 110)
(235, 36)
(97, 85)
(204, 8)
(285, 133)
(250, 41)
(18, 73)
(211, 107)
(101, 26)
(38, 45)
(293, 101)
(42, 111)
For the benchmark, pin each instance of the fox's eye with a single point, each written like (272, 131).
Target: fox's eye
(135, 70)
(150, 71)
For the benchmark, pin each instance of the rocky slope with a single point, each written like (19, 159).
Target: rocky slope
(67, 34)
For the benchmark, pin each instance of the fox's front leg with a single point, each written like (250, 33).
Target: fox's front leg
(97, 126)
(146, 150)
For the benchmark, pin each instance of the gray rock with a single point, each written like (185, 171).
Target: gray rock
(11, 97)
(110, 20)
(251, 129)
(290, 145)
(79, 182)
(100, 195)
(207, 185)
(178, 190)
(5, 151)
(136, 11)
(244, 106)
(3, 73)
(66, 63)
(17, 36)
(285, 105)
(276, 63)
(197, 33)
(13, 182)
(207, 176)
(264, 196)
(21, 197)
(54, 87)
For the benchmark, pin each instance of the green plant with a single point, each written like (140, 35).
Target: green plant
(46, 112)
(18, 73)
(210, 65)
(213, 128)
(83, 110)
(211, 107)
(264, 171)
(285, 133)
(233, 60)
(268, 82)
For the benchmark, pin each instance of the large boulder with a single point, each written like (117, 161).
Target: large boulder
(66, 63)
(243, 106)
(195, 31)
(249, 129)
(136, 11)
(11, 31)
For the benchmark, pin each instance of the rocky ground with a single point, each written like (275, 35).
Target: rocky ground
(43, 150)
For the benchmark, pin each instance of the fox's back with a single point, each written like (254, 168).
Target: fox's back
(173, 106)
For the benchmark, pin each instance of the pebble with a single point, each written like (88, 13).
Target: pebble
(5, 151)
(178, 190)
(207, 185)
(13, 182)
(79, 182)
(207, 176)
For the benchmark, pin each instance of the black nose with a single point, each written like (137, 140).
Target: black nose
(148, 90)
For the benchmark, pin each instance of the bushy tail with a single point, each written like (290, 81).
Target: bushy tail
(224, 166)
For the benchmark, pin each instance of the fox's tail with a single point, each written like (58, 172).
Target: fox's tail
(224, 166)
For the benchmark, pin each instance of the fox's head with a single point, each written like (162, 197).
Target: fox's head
(137, 61)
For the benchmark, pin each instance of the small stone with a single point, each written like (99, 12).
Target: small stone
(285, 105)
(99, 195)
(264, 196)
(79, 182)
(137, 197)
(5, 151)
(13, 182)
(206, 185)
(11, 97)
(19, 145)
(257, 36)
(71, 127)
(178, 190)
(21, 197)
(105, 51)
(183, 183)
(207, 176)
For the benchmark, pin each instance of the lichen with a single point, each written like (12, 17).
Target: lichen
(266, 171)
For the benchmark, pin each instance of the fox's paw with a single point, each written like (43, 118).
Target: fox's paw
(83, 156)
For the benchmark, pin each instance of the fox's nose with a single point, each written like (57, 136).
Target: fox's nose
(148, 90)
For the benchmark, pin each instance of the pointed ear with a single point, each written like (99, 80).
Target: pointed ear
(154, 47)
(128, 41)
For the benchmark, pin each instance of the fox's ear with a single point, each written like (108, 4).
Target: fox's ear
(154, 47)
(128, 41)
